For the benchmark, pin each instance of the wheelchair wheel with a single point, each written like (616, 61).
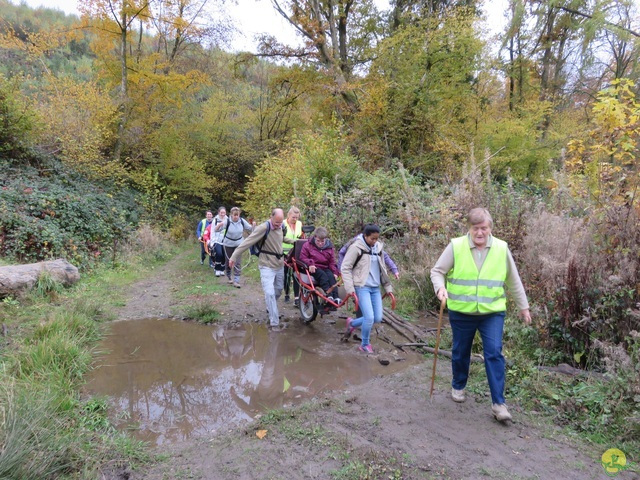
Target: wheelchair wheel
(308, 305)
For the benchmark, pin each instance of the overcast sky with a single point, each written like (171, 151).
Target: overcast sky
(251, 17)
(256, 16)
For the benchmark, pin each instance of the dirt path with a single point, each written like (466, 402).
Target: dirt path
(384, 429)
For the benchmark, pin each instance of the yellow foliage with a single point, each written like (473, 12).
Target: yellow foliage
(278, 180)
(78, 121)
(300, 175)
(607, 160)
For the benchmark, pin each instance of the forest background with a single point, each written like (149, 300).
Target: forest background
(135, 115)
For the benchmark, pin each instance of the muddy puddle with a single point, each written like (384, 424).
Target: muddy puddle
(169, 381)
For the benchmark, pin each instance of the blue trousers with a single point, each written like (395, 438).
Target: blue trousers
(370, 304)
(463, 328)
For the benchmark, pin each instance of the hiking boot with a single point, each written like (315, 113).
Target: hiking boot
(365, 349)
(500, 412)
(287, 298)
(276, 328)
(296, 302)
(231, 282)
(458, 395)
(236, 284)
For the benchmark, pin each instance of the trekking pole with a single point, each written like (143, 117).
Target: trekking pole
(435, 350)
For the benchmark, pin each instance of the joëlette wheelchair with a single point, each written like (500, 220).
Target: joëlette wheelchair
(313, 300)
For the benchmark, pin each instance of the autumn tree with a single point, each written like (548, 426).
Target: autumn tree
(338, 36)
(16, 121)
(620, 42)
(606, 157)
(181, 25)
(115, 19)
(421, 101)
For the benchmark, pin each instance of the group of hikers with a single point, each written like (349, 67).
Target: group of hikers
(470, 275)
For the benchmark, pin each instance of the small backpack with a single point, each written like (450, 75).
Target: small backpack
(226, 229)
(256, 249)
(343, 252)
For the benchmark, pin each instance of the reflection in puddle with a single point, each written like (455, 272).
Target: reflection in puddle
(174, 380)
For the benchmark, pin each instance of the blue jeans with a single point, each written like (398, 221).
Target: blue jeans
(272, 284)
(463, 328)
(370, 303)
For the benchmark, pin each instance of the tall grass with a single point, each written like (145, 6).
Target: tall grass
(46, 431)
(39, 389)
(47, 286)
(36, 443)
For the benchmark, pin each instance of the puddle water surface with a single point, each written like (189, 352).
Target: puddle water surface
(170, 380)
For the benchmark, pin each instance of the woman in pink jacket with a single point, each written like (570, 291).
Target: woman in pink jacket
(319, 256)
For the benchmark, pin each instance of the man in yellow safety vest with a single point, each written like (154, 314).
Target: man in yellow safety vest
(476, 268)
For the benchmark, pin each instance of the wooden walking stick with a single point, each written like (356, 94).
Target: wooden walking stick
(435, 350)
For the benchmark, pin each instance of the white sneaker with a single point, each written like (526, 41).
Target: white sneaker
(458, 395)
(500, 411)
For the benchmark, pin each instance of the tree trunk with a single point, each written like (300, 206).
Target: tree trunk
(122, 107)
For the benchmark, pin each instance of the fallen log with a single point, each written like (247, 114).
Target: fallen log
(407, 329)
(15, 279)
(397, 328)
(401, 326)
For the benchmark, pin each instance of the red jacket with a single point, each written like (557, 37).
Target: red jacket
(207, 233)
(319, 257)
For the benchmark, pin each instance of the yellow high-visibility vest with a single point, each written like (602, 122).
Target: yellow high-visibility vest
(292, 235)
(473, 291)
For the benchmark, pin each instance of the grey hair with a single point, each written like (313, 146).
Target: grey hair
(321, 233)
(479, 215)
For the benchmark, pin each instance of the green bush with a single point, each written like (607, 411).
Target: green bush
(51, 212)
(16, 121)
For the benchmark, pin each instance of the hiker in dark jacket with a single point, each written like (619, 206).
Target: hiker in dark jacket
(319, 256)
